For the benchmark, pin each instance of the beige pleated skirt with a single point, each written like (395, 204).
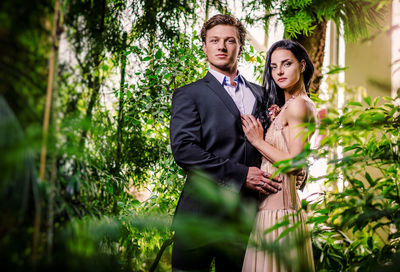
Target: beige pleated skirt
(269, 252)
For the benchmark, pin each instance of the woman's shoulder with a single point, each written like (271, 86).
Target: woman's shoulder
(301, 107)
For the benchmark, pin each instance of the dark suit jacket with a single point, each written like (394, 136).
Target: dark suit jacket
(206, 134)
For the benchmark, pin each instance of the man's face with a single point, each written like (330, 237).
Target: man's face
(222, 48)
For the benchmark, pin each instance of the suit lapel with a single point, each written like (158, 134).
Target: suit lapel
(217, 88)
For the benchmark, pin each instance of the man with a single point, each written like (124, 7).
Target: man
(206, 134)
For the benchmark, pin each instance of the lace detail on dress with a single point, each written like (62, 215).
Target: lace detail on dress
(276, 124)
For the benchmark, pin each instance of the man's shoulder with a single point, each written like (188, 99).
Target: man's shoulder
(193, 86)
(254, 85)
(258, 89)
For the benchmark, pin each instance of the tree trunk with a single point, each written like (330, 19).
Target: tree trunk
(207, 9)
(315, 44)
(95, 85)
(121, 105)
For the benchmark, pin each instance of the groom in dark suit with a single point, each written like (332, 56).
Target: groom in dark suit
(206, 134)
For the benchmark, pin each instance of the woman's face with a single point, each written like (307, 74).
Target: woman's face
(285, 68)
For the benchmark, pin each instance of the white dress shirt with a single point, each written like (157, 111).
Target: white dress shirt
(241, 94)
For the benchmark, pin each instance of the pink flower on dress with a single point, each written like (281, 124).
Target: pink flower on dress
(273, 112)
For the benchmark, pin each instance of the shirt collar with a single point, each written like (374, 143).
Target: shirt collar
(223, 79)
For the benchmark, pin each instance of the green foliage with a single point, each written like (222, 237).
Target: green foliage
(99, 154)
(301, 17)
(25, 44)
(144, 160)
(161, 19)
(363, 224)
(355, 220)
(18, 189)
(256, 58)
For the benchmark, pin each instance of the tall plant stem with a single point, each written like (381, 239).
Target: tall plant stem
(49, 91)
(50, 208)
(166, 243)
(46, 121)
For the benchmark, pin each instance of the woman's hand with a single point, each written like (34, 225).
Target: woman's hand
(252, 129)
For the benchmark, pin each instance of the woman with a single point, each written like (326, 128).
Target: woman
(288, 71)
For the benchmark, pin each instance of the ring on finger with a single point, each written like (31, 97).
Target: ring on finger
(262, 184)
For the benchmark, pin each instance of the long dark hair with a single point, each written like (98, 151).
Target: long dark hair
(272, 93)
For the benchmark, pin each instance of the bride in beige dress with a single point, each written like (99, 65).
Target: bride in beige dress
(288, 71)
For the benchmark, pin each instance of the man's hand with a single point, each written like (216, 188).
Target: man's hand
(259, 180)
(301, 175)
